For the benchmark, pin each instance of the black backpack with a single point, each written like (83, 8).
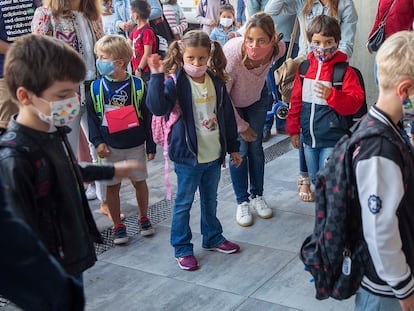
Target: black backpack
(161, 45)
(336, 253)
(337, 79)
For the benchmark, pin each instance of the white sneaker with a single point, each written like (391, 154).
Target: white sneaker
(259, 204)
(243, 215)
(90, 192)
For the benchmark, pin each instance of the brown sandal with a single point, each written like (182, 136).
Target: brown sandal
(304, 184)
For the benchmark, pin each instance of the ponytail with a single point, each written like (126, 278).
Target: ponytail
(174, 58)
(218, 61)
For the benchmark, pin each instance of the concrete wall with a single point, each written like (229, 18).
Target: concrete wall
(361, 58)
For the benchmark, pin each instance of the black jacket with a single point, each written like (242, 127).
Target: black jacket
(44, 186)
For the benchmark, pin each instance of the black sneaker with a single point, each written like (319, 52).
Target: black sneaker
(145, 227)
(120, 234)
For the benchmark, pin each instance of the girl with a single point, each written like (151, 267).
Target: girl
(108, 18)
(344, 11)
(199, 139)
(249, 59)
(175, 17)
(227, 24)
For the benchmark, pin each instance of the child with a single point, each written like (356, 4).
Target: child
(383, 171)
(42, 181)
(108, 18)
(227, 24)
(142, 38)
(199, 139)
(113, 93)
(175, 17)
(208, 12)
(316, 104)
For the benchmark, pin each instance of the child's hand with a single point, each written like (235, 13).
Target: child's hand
(295, 141)
(155, 64)
(150, 156)
(236, 159)
(212, 23)
(321, 91)
(249, 135)
(233, 34)
(103, 151)
(125, 169)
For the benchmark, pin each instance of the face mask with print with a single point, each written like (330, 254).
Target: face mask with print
(62, 111)
(257, 53)
(324, 54)
(105, 67)
(226, 22)
(195, 71)
(408, 109)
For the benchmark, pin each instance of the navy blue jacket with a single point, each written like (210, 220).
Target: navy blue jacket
(183, 139)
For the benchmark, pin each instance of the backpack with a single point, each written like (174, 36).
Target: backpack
(161, 129)
(161, 43)
(336, 253)
(337, 79)
(97, 95)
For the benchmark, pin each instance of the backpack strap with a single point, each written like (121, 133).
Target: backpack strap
(303, 69)
(338, 74)
(137, 90)
(142, 33)
(97, 97)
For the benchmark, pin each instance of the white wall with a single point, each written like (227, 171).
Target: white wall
(361, 58)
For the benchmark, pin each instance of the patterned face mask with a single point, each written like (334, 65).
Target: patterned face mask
(61, 112)
(323, 54)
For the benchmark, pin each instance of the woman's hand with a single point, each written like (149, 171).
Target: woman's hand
(155, 64)
(249, 135)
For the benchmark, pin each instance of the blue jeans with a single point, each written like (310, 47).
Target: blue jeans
(205, 177)
(252, 153)
(315, 159)
(365, 301)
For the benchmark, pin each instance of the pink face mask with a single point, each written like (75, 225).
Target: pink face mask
(195, 71)
(257, 53)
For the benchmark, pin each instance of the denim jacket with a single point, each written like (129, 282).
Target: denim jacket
(220, 35)
(347, 17)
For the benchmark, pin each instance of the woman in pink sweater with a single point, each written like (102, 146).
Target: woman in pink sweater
(248, 61)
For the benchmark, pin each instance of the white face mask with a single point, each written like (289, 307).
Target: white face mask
(62, 111)
(226, 22)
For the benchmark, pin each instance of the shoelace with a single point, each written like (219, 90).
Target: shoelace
(245, 210)
(260, 203)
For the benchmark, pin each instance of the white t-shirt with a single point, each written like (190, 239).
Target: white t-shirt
(205, 119)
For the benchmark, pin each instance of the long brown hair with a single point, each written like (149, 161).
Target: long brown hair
(90, 8)
(196, 38)
(332, 5)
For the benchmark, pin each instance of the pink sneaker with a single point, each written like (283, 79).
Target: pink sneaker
(188, 263)
(226, 247)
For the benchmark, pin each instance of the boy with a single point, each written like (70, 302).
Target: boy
(42, 182)
(316, 104)
(384, 173)
(142, 38)
(116, 92)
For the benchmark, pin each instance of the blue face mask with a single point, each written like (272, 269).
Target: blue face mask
(105, 67)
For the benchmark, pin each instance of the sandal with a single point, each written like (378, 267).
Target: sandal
(304, 184)
(104, 210)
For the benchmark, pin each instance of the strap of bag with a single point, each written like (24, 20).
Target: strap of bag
(303, 27)
(388, 13)
(292, 38)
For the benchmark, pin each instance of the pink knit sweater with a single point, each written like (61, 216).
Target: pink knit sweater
(245, 86)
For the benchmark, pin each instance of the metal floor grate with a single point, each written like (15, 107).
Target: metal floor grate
(161, 210)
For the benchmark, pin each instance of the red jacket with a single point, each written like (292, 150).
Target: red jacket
(400, 18)
(313, 115)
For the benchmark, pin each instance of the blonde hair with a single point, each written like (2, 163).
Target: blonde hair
(395, 59)
(115, 45)
(332, 5)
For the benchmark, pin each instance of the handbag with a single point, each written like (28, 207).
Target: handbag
(286, 73)
(121, 119)
(376, 39)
